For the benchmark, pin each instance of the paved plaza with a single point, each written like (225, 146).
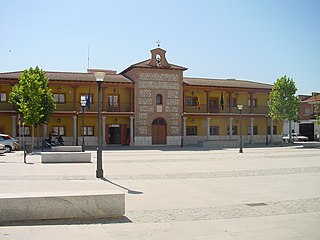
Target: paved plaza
(180, 193)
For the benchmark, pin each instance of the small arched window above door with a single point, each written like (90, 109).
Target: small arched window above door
(159, 99)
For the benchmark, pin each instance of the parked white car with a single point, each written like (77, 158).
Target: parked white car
(297, 137)
(10, 143)
(2, 149)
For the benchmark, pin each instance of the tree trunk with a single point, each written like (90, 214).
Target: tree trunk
(32, 138)
(290, 131)
(38, 137)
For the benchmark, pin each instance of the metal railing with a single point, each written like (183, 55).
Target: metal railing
(6, 107)
(203, 108)
(69, 106)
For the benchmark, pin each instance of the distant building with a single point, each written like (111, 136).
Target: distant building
(150, 103)
(310, 107)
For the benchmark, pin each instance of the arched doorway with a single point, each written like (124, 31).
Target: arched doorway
(159, 131)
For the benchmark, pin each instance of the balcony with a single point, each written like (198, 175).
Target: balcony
(6, 107)
(218, 109)
(122, 107)
(69, 106)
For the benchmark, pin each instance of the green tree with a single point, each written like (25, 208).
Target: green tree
(32, 98)
(284, 104)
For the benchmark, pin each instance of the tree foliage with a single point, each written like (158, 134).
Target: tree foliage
(32, 98)
(284, 104)
(316, 108)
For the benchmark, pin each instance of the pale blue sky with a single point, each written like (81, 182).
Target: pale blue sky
(258, 40)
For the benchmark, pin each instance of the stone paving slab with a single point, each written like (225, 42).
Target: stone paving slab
(189, 193)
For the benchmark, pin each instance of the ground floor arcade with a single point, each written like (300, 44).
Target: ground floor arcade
(119, 129)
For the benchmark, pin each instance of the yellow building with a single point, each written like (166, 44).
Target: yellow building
(150, 103)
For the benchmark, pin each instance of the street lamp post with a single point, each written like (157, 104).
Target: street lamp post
(267, 123)
(267, 139)
(83, 104)
(240, 109)
(182, 126)
(99, 172)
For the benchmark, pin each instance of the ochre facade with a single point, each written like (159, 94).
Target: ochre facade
(149, 103)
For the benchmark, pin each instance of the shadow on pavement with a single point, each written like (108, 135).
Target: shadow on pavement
(115, 184)
(67, 222)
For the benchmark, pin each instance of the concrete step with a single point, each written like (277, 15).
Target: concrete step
(61, 205)
(65, 157)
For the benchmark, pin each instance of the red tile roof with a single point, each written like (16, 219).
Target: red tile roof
(71, 76)
(313, 99)
(229, 83)
(145, 64)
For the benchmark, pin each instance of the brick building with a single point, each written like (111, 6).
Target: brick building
(149, 103)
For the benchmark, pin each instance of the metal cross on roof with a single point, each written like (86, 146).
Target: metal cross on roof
(158, 42)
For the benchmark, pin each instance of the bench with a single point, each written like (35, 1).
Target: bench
(65, 157)
(66, 149)
(311, 144)
(61, 205)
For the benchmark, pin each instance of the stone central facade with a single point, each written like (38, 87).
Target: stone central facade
(157, 80)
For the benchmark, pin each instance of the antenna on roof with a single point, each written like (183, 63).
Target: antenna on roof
(88, 57)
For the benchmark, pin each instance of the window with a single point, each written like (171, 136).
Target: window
(88, 131)
(254, 102)
(86, 97)
(233, 102)
(61, 130)
(26, 131)
(274, 130)
(113, 103)
(191, 131)
(307, 111)
(255, 130)
(3, 97)
(191, 101)
(59, 97)
(159, 99)
(214, 130)
(234, 130)
(158, 59)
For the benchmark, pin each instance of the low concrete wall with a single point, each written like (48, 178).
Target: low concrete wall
(311, 144)
(66, 149)
(219, 143)
(40, 206)
(65, 157)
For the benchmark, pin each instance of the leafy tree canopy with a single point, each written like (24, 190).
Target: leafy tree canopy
(32, 97)
(284, 104)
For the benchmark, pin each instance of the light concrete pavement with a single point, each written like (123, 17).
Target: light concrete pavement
(188, 193)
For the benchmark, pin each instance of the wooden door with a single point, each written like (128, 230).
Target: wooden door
(159, 131)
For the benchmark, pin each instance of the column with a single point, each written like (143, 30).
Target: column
(251, 130)
(230, 102)
(271, 130)
(14, 126)
(230, 128)
(45, 131)
(184, 130)
(208, 127)
(251, 102)
(75, 130)
(131, 131)
(103, 105)
(132, 102)
(207, 97)
(104, 130)
(74, 100)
